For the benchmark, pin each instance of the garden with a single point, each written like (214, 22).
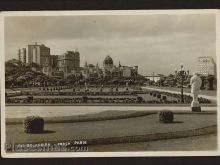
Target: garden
(97, 95)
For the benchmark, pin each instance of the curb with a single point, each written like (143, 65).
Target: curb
(110, 104)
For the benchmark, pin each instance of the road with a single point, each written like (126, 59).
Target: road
(213, 98)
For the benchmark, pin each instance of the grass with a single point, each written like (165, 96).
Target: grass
(154, 137)
(194, 143)
(143, 128)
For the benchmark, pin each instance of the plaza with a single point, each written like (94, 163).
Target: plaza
(122, 83)
(101, 126)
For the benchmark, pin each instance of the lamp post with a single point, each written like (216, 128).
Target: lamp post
(181, 74)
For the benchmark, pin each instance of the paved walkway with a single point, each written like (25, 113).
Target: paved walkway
(59, 111)
(213, 98)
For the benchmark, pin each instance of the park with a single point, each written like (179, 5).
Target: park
(110, 118)
(124, 114)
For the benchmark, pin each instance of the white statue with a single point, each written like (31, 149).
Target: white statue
(86, 86)
(195, 83)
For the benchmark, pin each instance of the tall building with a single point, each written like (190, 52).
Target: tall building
(37, 54)
(19, 54)
(206, 66)
(47, 68)
(68, 62)
(22, 55)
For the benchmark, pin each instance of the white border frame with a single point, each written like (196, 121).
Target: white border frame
(102, 154)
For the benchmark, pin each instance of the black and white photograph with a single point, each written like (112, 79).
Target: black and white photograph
(109, 83)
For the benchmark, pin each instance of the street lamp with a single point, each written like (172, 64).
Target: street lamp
(181, 74)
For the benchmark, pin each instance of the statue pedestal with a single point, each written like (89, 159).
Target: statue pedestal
(195, 106)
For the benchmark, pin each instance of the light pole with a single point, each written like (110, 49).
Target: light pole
(181, 74)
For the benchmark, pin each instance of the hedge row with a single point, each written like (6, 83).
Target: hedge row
(187, 98)
(121, 93)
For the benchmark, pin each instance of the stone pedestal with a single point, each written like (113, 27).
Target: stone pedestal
(195, 106)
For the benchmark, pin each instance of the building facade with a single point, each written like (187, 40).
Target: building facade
(111, 71)
(51, 65)
(206, 66)
(68, 62)
(90, 71)
(108, 71)
(37, 54)
(108, 64)
(22, 55)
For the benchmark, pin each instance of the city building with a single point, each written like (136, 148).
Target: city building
(37, 54)
(68, 61)
(108, 64)
(111, 71)
(50, 65)
(108, 71)
(206, 66)
(22, 55)
(153, 78)
(90, 71)
(39, 57)
(47, 67)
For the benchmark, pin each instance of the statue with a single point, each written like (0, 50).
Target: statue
(195, 83)
(86, 88)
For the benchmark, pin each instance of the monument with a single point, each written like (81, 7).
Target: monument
(195, 83)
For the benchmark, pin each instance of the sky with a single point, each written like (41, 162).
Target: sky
(156, 43)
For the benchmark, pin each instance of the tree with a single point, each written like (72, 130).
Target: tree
(209, 82)
(203, 82)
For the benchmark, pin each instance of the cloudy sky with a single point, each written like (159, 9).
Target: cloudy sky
(156, 43)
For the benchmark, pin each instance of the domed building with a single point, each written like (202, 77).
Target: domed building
(108, 63)
(109, 70)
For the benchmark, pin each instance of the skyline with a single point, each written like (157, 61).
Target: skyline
(156, 43)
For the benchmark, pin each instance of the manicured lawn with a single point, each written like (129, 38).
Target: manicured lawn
(194, 143)
(110, 128)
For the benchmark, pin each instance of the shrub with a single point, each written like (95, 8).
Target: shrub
(166, 116)
(30, 99)
(158, 96)
(33, 124)
(85, 99)
(140, 99)
(164, 98)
